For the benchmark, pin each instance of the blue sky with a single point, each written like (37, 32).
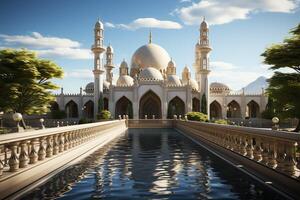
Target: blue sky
(62, 30)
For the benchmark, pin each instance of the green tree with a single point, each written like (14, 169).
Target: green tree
(25, 82)
(284, 87)
(100, 103)
(204, 104)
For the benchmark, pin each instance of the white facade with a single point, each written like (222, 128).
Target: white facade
(150, 88)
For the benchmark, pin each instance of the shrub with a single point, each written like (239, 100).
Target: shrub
(84, 121)
(105, 114)
(221, 121)
(58, 114)
(197, 116)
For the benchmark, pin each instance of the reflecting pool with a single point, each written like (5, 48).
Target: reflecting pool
(152, 164)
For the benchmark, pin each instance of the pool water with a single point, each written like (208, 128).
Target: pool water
(152, 164)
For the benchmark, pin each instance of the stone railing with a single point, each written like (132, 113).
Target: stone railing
(277, 150)
(150, 123)
(21, 150)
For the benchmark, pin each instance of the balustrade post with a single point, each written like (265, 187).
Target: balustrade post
(49, 148)
(14, 158)
(66, 141)
(33, 155)
(42, 150)
(250, 147)
(280, 156)
(55, 145)
(265, 152)
(272, 158)
(61, 142)
(1, 167)
(258, 150)
(290, 158)
(244, 146)
(23, 158)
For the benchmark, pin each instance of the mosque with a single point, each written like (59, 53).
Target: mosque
(151, 88)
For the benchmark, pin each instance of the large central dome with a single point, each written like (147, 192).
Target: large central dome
(150, 55)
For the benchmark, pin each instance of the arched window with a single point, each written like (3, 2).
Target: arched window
(88, 109)
(215, 110)
(150, 105)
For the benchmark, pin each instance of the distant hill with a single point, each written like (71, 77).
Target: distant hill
(255, 86)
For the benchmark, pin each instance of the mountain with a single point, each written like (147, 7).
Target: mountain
(255, 86)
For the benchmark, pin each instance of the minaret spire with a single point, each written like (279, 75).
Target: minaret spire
(150, 37)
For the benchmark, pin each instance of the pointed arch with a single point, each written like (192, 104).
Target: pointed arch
(233, 110)
(215, 110)
(105, 103)
(176, 107)
(123, 107)
(71, 109)
(196, 104)
(88, 109)
(253, 109)
(150, 105)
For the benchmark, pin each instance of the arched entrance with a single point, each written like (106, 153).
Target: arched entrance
(233, 110)
(105, 103)
(71, 109)
(150, 105)
(176, 107)
(253, 109)
(124, 107)
(215, 110)
(88, 109)
(196, 105)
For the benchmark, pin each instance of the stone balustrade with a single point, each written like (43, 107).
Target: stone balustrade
(20, 150)
(277, 150)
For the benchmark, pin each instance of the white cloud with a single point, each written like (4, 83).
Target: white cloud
(225, 11)
(110, 25)
(79, 73)
(184, 1)
(70, 53)
(39, 41)
(47, 46)
(216, 65)
(146, 23)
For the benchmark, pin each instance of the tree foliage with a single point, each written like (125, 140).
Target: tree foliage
(284, 88)
(204, 104)
(25, 82)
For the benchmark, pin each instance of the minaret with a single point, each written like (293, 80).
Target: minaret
(109, 66)
(202, 61)
(186, 75)
(98, 50)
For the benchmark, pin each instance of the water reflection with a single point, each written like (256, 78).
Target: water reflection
(152, 164)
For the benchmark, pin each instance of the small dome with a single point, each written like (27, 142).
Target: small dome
(216, 87)
(151, 73)
(171, 63)
(106, 85)
(186, 69)
(204, 25)
(109, 49)
(124, 64)
(99, 24)
(125, 80)
(173, 80)
(194, 84)
(89, 88)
